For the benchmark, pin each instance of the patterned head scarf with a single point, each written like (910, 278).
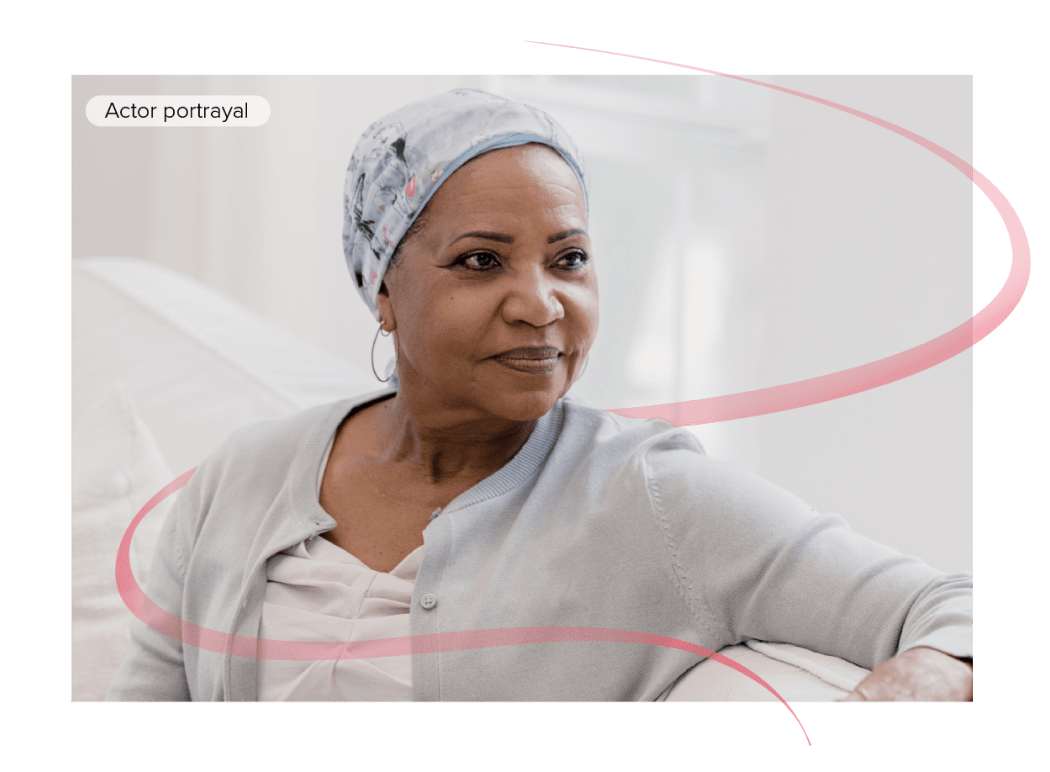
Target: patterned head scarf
(403, 158)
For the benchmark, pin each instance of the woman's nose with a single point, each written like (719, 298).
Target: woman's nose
(533, 299)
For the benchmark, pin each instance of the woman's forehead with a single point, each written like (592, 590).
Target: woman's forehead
(514, 178)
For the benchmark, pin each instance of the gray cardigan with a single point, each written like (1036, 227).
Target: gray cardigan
(598, 521)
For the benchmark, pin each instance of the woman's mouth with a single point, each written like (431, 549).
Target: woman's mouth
(530, 360)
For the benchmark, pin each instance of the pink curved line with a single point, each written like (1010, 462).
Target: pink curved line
(741, 405)
(854, 380)
(312, 651)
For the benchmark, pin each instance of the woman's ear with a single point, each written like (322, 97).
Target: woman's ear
(386, 310)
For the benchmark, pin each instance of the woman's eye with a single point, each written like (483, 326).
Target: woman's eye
(575, 259)
(479, 261)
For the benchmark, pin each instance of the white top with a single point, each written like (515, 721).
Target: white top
(316, 591)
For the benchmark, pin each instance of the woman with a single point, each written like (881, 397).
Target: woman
(473, 493)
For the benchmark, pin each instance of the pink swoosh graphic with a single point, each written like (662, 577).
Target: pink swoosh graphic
(843, 383)
(724, 408)
(260, 648)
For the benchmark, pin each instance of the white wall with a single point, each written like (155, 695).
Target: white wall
(253, 212)
(743, 239)
(869, 252)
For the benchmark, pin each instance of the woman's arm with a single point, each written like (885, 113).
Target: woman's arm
(153, 667)
(763, 565)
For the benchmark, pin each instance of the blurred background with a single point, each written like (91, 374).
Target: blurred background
(743, 238)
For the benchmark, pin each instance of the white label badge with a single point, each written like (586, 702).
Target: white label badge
(166, 110)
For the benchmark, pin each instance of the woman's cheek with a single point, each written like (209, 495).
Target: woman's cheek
(584, 307)
(452, 336)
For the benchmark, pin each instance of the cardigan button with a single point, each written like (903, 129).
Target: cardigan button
(428, 601)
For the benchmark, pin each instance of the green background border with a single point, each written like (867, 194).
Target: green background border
(999, 45)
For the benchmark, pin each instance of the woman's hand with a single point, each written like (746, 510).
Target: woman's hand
(921, 674)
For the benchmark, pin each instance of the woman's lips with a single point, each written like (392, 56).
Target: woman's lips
(530, 360)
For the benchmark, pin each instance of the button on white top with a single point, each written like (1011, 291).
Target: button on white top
(428, 601)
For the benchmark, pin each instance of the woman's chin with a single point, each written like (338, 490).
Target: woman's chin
(527, 407)
(521, 403)
(526, 396)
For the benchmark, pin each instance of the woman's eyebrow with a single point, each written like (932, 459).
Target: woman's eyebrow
(566, 234)
(490, 235)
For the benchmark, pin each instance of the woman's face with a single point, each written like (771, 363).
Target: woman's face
(494, 303)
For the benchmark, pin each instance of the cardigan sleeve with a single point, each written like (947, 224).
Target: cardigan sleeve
(760, 564)
(153, 667)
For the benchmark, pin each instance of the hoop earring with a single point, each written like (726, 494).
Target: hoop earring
(372, 359)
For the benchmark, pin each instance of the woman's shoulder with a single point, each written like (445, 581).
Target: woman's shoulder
(275, 444)
(278, 436)
(669, 460)
(607, 434)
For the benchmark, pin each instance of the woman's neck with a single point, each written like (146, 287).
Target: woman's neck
(445, 443)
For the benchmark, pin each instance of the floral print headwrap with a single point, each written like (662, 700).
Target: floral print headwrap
(403, 158)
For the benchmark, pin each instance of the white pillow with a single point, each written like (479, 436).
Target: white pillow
(198, 365)
(797, 674)
(117, 468)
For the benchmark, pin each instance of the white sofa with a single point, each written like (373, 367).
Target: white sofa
(164, 369)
